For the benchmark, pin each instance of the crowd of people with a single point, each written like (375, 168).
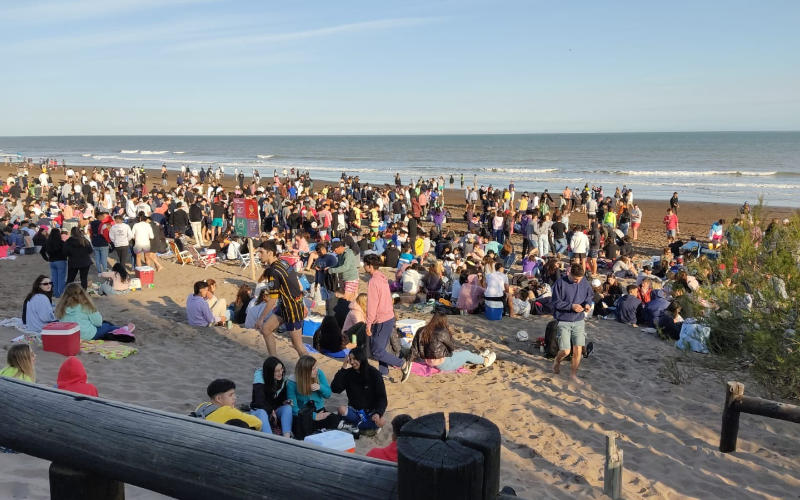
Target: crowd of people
(517, 252)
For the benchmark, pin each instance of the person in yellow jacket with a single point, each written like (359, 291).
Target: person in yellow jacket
(222, 408)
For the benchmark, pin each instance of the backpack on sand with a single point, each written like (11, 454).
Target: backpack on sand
(551, 339)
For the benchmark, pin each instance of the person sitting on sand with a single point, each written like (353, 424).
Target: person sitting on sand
(269, 394)
(218, 305)
(238, 309)
(629, 307)
(434, 344)
(329, 338)
(197, 311)
(671, 321)
(357, 313)
(471, 295)
(366, 392)
(72, 377)
(117, 280)
(389, 453)
(37, 308)
(222, 407)
(76, 306)
(624, 268)
(21, 363)
(309, 386)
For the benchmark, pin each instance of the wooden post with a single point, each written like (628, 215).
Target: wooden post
(252, 258)
(730, 417)
(67, 483)
(612, 476)
(462, 464)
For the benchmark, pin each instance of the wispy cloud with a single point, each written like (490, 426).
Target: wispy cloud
(255, 39)
(70, 10)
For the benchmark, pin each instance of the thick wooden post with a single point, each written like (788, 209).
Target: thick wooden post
(730, 417)
(252, 258)
(67, 483)
(612, 476)
(462, 463)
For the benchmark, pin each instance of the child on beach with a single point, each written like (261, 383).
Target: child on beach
(222, 408)
(72, 377)
(389, 453)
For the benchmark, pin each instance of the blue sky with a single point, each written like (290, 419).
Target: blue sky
(264, 67)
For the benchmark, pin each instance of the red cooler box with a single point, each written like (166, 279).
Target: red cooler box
(63, 338)
(211, 255)
(145, 275)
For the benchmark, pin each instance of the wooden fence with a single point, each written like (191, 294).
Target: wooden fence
(97, 445)
(737, 403)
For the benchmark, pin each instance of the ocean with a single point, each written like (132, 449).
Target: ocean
(728, 167)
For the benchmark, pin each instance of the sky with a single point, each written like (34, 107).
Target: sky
(116, 67)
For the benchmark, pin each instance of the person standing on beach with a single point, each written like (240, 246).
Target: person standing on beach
(671, 224)
(636, 219)
(572, 299)
(673, 203)
(285, 301)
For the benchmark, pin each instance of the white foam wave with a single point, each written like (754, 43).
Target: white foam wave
(265, 157)
(146, 152)
(687, 173)
(178, 152)
(129, 151)
(520, 170)
(86, 155)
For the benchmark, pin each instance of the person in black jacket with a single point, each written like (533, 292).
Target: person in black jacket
(78, 252)
(54, 250)
(366, 393)
(269, 393)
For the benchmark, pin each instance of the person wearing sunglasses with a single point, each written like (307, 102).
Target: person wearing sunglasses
(37, 309)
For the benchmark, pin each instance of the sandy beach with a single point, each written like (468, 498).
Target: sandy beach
(552, 431)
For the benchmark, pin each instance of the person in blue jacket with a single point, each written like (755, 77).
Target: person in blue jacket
(656, 308)
(572, 299)
(629, 307)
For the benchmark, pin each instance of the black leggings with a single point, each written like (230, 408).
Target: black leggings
(73, 271)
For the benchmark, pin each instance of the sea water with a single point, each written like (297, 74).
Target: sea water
(702, 166)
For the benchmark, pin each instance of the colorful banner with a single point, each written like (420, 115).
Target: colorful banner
(246, 222)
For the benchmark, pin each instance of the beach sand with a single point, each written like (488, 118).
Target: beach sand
(553, 431)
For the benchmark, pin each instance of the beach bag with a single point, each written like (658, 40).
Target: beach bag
(303, 423)
(551, 339)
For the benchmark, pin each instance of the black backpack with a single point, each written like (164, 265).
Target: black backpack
(551, 339)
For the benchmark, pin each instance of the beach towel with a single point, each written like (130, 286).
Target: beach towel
(336, 355)
(423, 370)
(108, 349)
(694, 337)
(18, 324)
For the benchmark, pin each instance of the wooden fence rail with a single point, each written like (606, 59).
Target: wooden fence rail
(96, 445)
(736, 403)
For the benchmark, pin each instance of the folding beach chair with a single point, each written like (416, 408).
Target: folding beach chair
(180, 257)
(199, 260)
(244, 258)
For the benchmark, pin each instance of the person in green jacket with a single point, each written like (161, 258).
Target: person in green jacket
(348, 268)
(309, 386)
(76, 306)
(21, 363)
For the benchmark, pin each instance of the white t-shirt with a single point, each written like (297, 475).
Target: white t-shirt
(496, 283)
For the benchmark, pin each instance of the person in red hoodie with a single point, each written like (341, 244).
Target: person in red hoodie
(72, 377)
(389, 453)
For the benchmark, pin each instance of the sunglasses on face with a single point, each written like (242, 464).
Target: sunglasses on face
(46, 283)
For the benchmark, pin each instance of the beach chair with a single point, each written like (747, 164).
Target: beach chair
(243, 258)
(199, 260)
(180, 257)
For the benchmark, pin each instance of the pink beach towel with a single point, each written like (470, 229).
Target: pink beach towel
(423, 370)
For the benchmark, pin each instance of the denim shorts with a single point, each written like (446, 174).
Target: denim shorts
(571, 333)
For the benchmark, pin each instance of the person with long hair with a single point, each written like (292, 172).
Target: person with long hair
(270, 394)
(37, 308)
(218, 305)
(117, 280)
(78, 252)
(54, 248)
(77, 307)
(434, 344)
(239, 306)
(357, 313)
(309, 386)
(329, 338)
(432, 281)
(21, 363)
(142, 234)
(366, 392)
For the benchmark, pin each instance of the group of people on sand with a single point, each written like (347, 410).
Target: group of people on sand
(519, 252)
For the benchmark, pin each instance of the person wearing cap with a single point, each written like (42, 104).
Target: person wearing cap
(572, 299)
(347, 268)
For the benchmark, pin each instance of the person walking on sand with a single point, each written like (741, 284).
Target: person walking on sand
(572, 298)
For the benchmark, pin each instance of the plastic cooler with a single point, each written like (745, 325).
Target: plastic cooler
(211, 255)
(145, 275)
(333, 440)
(311, 324)
(494, 310)
(63, 338)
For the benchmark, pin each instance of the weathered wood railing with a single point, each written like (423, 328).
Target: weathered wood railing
(736, 403)
(97, 445)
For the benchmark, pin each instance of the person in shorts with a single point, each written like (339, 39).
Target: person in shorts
(572, 298)
(285, 299)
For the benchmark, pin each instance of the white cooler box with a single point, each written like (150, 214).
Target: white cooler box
(408, 328)
(333, 440)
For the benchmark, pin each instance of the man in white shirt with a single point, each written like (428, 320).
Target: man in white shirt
(497, 287)
(121, 235)
(579, 244)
